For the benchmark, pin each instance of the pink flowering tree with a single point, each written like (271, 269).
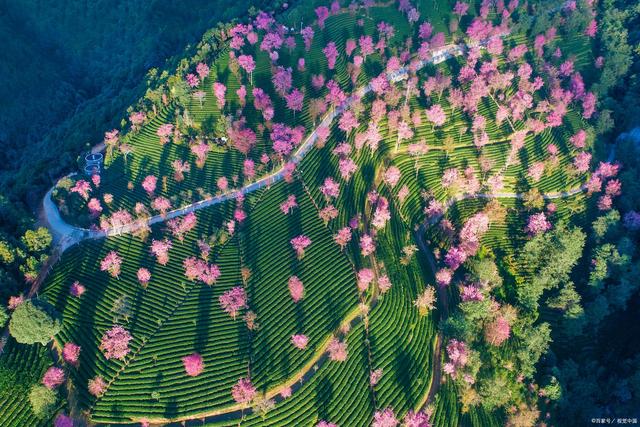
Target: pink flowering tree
(244, 391)
(149, 184)
(343, 237)
(384, 418)
(53, 377)
(295, 101)
(458, 356)
(160, 249)
(180, 226)
(367, 245)
(97, 386)
(115, 343)
(288, 205)
(307, 36)
(81, 187)
(111, 264)
(337, 350)
(365, 277)
(498, 331)
(161, 204)
(248, 64)
(322, 13)
(331, 53)
(392, 176)
(347, 167)
(144, 276)
(71, 353)
(537, 224)
(296, 288)
(299, 244)
(220, 90)
(436, 115)
(200, 150)
(300, 341)
(233, 300)
(193, 364)
(164, 132)
(77, 289)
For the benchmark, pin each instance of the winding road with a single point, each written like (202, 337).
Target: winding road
(66, 235)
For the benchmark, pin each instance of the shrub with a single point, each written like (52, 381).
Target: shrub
(42, 400)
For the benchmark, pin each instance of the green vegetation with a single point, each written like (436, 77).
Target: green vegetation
(34, 321)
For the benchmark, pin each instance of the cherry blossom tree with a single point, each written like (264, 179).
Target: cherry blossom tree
(322, 13)
(347, 167)
(537, 224)
(77, 289)
(592, 28)
(53, 377)
(367, 245)
(384, 418)
(202, 70)
(460, 8)
(161, 204)
(149, 184)
(296, 288)
(300, 341)
(375, 376)
(365, 277)
(458, 355)
(282, 79)
(328, 213)
(443, 277)
(164, 132)
(426, 300)
(180, 167)
(233, 301)
(497, 332)
(82, 187)
(97, 386)
(416, 419)
(331, 53)
(337, 350)
(343, 237)
(244, 391)
(160, 248)
(111, 263)
(392, 176)
(295, 101)
(288, 205)
(248, 64)
(200, 150)
(299, 244)
(192, 80)
(144, 276)
(71, 353)
(137, 118)
(436, 115)
(180, 226)
(115, 343)
(193, 364)
(307, 36)
(220, 90)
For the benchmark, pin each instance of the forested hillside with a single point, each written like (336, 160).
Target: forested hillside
(331, 213)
